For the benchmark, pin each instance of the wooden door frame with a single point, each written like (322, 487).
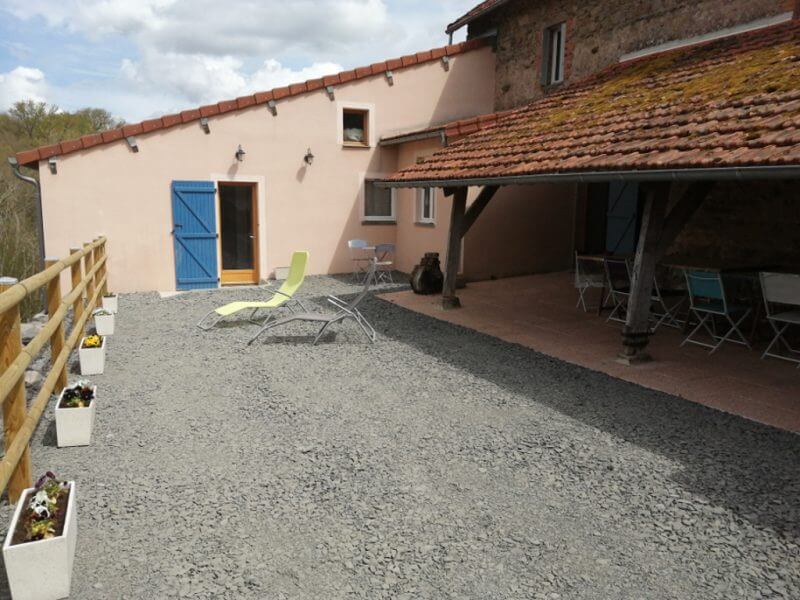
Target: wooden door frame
(244, 276)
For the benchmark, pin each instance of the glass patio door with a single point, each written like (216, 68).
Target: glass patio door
(238, 210)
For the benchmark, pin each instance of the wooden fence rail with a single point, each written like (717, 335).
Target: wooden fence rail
(19, 420)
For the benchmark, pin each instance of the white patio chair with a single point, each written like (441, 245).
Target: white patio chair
(384, 254)
(618, 274)
(360, 258)
(589, 275)
(667, 304)
(782, 301)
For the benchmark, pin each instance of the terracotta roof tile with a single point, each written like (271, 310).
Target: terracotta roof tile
(31, 157)
(135, 129)
(728, 103)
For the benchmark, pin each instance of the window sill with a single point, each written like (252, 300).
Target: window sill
(355, 145)
(378, 222)
(425, 223)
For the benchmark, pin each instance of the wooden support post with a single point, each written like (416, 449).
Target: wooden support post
(57, 339)
(476, 208)
(87, 266)
(14, 407)
(76, 273)
(453, 260)
(636, 332)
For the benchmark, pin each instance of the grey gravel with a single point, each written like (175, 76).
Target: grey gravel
(437, 463)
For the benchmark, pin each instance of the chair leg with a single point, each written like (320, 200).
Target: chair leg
(211, 325)
(321, 332)
(735, 329)
(702, 324)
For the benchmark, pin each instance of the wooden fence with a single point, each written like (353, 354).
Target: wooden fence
(88, 284)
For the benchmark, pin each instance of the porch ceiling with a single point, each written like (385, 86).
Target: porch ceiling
(724, 109)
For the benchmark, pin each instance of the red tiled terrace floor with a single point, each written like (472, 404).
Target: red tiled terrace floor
(538, 311)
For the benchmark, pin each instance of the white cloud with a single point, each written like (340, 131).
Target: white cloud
(203, 79)
(22, 83)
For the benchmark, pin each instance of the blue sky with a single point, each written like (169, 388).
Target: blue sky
(140, 58)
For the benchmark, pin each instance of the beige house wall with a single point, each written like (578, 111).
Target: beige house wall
(111, 190)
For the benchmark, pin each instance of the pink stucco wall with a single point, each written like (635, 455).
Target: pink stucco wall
(126, 196)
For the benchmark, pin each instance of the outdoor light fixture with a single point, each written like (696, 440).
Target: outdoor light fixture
(329, 89)
(390, 77)
(204, 125)
(309, 157)
(240, 153)
(132, 143)
(53, 162)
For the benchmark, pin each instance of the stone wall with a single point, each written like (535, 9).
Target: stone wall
(599, 32)
(748, 223)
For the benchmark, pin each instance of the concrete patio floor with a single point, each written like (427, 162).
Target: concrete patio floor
(539, 312)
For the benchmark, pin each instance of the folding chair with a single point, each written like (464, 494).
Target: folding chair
(358, 254)
(384, 253)
(588, 275)
(781, 291)
(667, 304)
(707, 301)
(618, 275)
(347, 310)
(281, 297)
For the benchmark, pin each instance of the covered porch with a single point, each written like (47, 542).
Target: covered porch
(539, 312)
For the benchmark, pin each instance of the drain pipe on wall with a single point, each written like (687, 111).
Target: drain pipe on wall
(38, 193)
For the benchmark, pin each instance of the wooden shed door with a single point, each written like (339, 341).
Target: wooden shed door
(195, 234)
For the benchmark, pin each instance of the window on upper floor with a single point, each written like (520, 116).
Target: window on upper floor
(355, 127)
(426, 205)
(554, 53)
(378, 202)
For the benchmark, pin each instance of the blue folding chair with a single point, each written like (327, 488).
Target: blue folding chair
(707, 301)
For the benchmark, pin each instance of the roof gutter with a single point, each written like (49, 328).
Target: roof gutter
(37, 190)
(415, 137)
(713, 174)
(467, 19)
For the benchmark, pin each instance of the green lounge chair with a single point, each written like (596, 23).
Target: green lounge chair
(282, 297)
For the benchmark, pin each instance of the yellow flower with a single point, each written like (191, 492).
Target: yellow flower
(92, 341)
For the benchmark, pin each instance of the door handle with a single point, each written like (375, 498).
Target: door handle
(252, 237)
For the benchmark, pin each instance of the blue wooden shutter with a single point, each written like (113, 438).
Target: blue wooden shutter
(195, 233)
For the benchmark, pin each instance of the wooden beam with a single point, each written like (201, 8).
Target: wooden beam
(682, 213)
(636, 332)
(453, 259)
(476, 208)
(449, 191)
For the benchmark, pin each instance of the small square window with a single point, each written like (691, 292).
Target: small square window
(426, 205)
(378, 202)
(554, 54)
(355, 127)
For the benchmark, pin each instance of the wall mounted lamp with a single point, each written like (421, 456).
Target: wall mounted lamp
(240, 153)
(309, 157)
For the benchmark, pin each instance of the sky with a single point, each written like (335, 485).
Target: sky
(143, 58)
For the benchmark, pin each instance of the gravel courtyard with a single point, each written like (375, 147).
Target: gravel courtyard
(436, 463)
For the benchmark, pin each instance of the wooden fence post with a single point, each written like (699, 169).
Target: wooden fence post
(14, 407)
(88, 265)
(77, 276)
(104, 269)
(57, 339)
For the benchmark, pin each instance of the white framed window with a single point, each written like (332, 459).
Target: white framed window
(379, 202)
(555, 44)
(426, 205)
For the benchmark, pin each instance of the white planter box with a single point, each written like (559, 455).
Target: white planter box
(74, 425)
(93, 360)
(104, 324)
(111, 303)
(42, 570)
